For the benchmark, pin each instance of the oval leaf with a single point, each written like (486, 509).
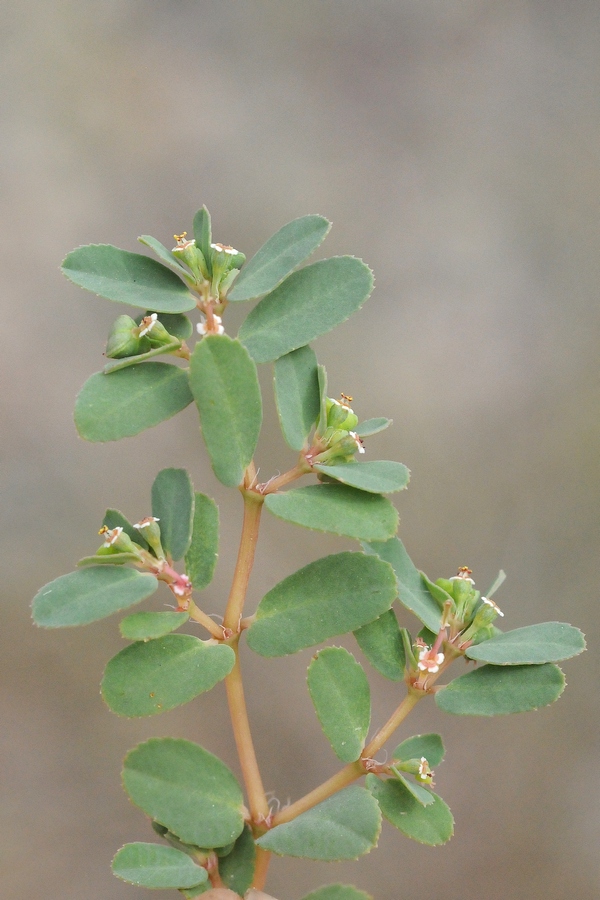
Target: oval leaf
(147, 626)
(430, 746)
(151, 677)
(127, 278)
(381, 643)
(155, 866)
(281, 254)
(225, 386)
(432, 824)
(382, 476)
(173, 505)
(124, 403)
(201, 558)
(546, 642)
(500, 690)
(344, 826)
(186, 789)
(341, 696)
(411, 591)
(328, 597)
(307, 304)
(90, 594)
(372, 426)
(297, 395)
(337, 509)
(203, 233)
(338, 892)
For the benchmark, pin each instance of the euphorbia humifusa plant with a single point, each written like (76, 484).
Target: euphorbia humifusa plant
(210, 834)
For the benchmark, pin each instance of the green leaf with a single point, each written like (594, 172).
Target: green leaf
(151, 677)
(297, 396)
(225, 386)
(341, 696)
(147, 626)
(500, 690)
(164, 255)
(322, 379)
(111, 407)
(112, 559)
(113, 518)
(173, 505)
(127, 278)
(412, 592)
(237, 868)
(127, 361)
(338, 892)
(155, 866)
(187, 789)
(344, 826)
(281, 254)
(307, 304)
(337, 509)
(201, 558)
(382, 476)
(331, 596)
(421, 795)
(90, 594)
(546, 642)
(430, 746)
(203, 233)
(432, 824)
(381, 643)
(372, 426)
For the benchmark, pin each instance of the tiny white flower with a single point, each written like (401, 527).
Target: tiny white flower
(181, 586)
(493, 605)
(111, 535)
(428, 663)
(201, 328)
(225, 248)
(148, 322)
(361, 446)
(182, 243)
(145, 522)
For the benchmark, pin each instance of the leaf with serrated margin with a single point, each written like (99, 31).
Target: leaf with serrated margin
(163, 254)
(173, 506)
(127, 278)
(331, 596)
(432, 824)
(156, 866)
(344, 826)
(341, 696)
(501, 690)
(186, 789)
(372, 426)
(307, 304)
(122, 404)
(381, 476)
(296, 384)
(430, 746)
(337, 509)
(90, 594)
(412, 592)
(533, 644)
(224, 382)
(381, 643)
(281, 254)
(150, 677)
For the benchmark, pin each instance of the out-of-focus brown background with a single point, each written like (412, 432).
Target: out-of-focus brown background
(456, 147)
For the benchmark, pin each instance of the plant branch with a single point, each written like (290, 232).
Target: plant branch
(334, 784)
(259, 807)
(202, 618)
(398, 716)
(235, 604)
(261, 867)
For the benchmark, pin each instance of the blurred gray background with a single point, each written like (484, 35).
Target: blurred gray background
(455, 146)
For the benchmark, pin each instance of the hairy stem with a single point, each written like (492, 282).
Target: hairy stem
(398, 716)
(211, 626)
(334, 784)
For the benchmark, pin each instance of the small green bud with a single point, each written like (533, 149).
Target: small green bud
(151, 533)
(223, 259)
(418, 767)
(124, 339)
(153, 330)
(118, 541)
(191, 255)
(340, 415)
(487, 612)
